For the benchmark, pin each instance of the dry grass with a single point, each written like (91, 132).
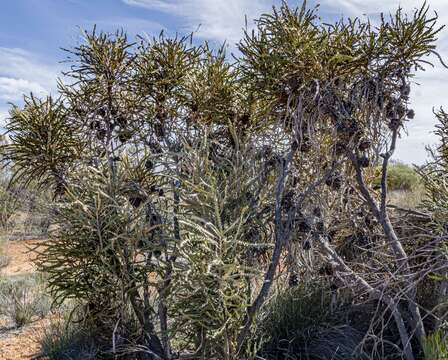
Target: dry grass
(4, 258)
(23, 299)
(407, 199)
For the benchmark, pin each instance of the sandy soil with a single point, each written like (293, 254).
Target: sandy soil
(20, 258)
(21, 343)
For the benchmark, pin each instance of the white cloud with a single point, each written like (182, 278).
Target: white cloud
(221, 20)
(20, 64)
(12, 89)
(21, 72)
(369, 7)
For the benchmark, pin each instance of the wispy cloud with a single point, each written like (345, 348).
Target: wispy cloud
(369, 7)
(13, 89)
(21, 73)
(220, 20)
(20, 64)
(3, 116)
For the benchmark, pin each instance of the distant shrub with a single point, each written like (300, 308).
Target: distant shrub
(23, 299)
(4, 259)
(9, 204)
(401, 177)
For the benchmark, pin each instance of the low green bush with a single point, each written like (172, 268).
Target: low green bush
(436, 346)
(401, 177)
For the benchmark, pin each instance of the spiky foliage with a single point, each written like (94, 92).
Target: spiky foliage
(436, 346)
(435, 172)
(108, 243)
(434, 176)
(222, 228)
(43, 142)
(178, 173)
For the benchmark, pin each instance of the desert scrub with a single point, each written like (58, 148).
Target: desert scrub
(4, 258)
(298, 324)
(401, 176)
(436, 346)
(63, 339)
(404, 183)
(9, 204)
(23, 299)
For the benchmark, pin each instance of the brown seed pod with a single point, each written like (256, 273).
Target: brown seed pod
(390, 109)
(306, 245)
(101, 134)
(401, 110)
(326, 269)
(305, 146)
(244, 119)
(394, 124)
(364, 144)
(136, 200)
(293, 280)
(340, 148)
(410, 114)
(149, 165)
(320, 227)
(121, 121)
(363, 161)
(302, 226)
(405, 89)
(102, 112)
(124, 135)
(371, 90)
(331, 235)
(95, 125)
(334, 182)
(159, 130)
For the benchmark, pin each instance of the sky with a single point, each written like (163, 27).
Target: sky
(32, 33)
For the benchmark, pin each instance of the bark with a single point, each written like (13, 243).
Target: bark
(375, 293)
(381, 214)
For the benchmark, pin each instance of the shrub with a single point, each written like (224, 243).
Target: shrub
(4, 259)
(436, 346)
(23, 299)
(298, 324)
(401, 177)
(9, 204)
(140, 226)
(67, 340)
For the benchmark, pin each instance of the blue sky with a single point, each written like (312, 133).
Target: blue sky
(33, 31)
